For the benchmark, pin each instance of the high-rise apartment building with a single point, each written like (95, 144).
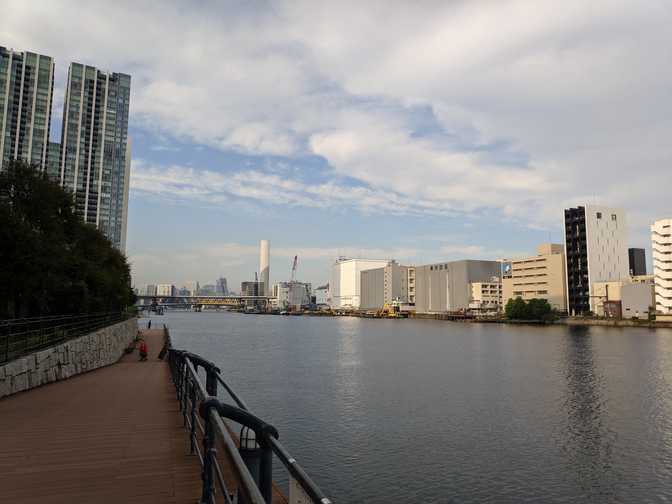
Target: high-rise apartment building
(661, 245)
(26, 90)
(596, 251)
(637, 261)
(541, 276)
(95, 153)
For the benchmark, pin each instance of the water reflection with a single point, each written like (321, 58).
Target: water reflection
(586, 438)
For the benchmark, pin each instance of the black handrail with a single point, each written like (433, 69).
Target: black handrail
(19, 337)
(194, 397)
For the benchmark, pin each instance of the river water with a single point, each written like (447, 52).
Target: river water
(381, 411)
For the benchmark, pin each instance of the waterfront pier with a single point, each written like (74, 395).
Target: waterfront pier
(117, 434)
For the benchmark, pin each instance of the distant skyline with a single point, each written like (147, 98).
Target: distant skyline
(451, 130)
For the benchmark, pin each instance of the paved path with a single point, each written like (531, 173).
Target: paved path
(113, 435)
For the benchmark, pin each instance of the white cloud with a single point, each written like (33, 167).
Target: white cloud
(579, 89)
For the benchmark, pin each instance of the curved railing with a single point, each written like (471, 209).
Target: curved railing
(246, 477)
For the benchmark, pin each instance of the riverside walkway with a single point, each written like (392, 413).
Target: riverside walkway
(108, 436)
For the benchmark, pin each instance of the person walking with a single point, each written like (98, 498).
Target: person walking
(143, 350)
(149, 324)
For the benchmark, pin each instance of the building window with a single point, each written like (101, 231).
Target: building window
(599, 215)
(613, 217)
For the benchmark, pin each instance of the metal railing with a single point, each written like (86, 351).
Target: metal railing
(247, 475)
(19, 337)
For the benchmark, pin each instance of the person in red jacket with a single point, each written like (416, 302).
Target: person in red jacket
(143, 350)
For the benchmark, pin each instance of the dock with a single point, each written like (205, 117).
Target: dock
(108, 436)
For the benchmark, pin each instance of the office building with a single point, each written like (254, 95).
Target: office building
(596, 251)
(251, 289)
(446, 287)
(637, 261)
(486, 297)
(148, 290)
(542, 276)
(207, 290)
(166, 290)
(661, 246)
(381, 286)
(26, 90)
(221, 287)
(193, 287)
(345, 284)
(411, 285)
(95, 151)
(291, 295)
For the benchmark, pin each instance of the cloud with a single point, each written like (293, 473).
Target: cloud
(513, 108)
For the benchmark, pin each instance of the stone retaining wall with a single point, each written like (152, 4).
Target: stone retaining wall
(86, 353)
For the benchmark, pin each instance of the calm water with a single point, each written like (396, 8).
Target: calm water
(425, 411)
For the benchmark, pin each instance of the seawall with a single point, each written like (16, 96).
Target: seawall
(86, 353)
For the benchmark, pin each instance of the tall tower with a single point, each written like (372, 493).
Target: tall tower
(264, 260)
(95, 154)
(26, 89)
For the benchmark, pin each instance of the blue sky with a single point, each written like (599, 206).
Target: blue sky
(450, 130)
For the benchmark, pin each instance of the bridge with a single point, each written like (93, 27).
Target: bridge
(168, 430)
(188, 301)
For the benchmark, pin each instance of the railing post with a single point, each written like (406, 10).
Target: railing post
(266, 471)
(192, 436)
(211, 381)
(209, 452)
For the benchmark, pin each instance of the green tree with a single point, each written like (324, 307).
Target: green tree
(51, 262)
(516, 309)
(539, 309)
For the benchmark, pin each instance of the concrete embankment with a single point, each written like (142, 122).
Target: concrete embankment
(86, 353)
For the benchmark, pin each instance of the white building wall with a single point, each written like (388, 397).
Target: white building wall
(264, 268)
(661, 246)
(607, 245)
(345, 280)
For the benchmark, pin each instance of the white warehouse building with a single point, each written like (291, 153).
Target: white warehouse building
(345, 284)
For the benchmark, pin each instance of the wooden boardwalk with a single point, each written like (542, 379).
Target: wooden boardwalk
(113, 435)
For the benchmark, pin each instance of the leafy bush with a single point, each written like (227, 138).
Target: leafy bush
(534, 309)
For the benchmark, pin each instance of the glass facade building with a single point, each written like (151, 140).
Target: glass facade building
(95, 150)
(26, 92)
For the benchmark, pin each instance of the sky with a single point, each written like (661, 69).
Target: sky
(419, 131)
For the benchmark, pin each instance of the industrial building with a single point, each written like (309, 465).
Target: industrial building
(386, 285)
(321, 294)
(446, 287)
(596, 251)
(346, 280)
(622, 299)
(661, 245)
(291, 295)
(542, 276)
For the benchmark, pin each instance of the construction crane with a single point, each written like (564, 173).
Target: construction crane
(296, 259)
